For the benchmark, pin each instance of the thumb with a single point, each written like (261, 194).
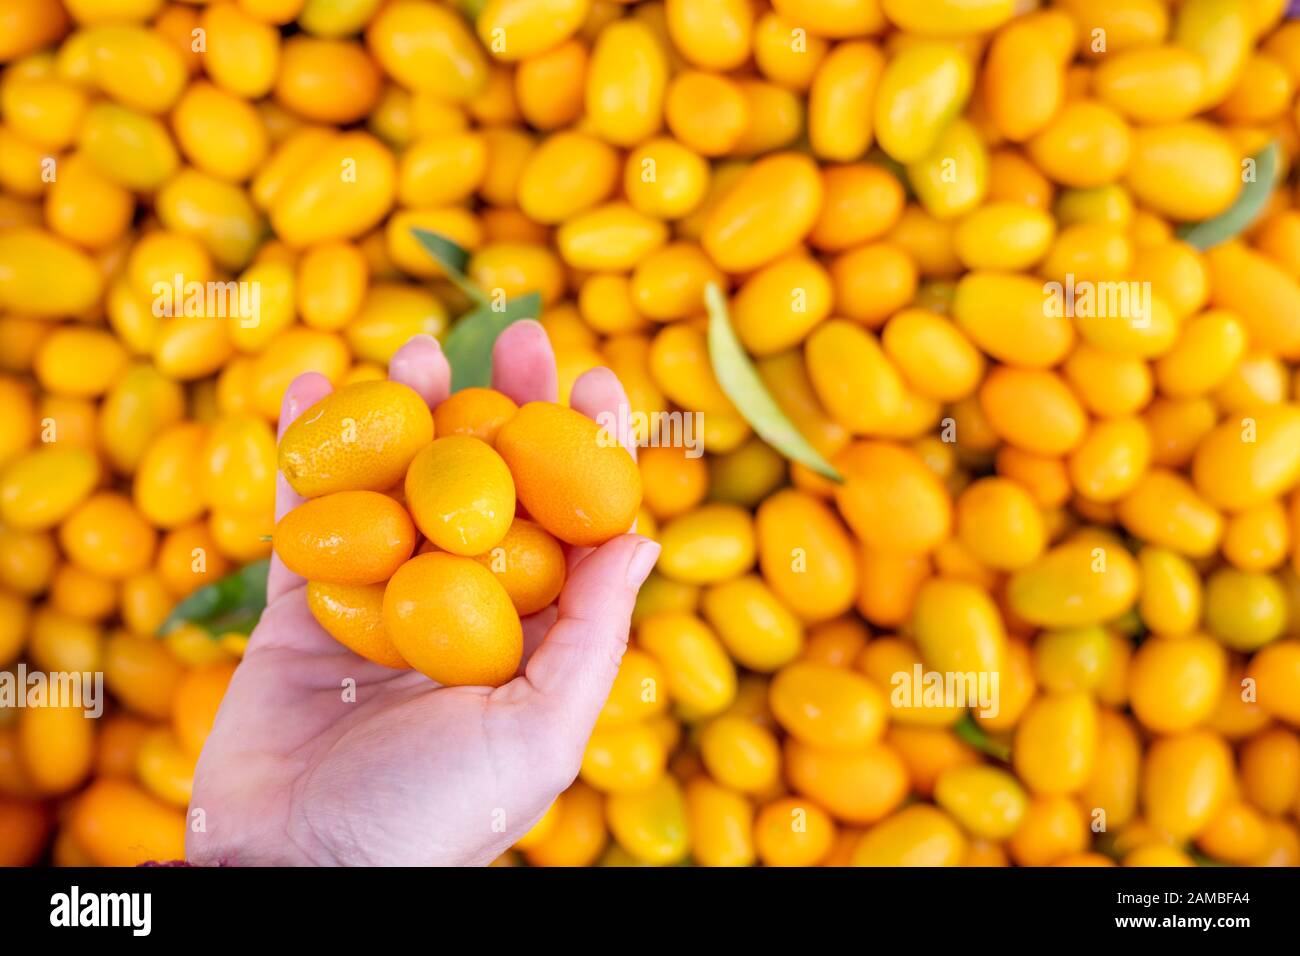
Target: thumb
(574, 668)
(303, 392)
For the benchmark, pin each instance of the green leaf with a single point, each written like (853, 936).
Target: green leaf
(453, 259)
(969, 731)
(232, 604)
(1249, 204)
(740, 381)
(468, 346)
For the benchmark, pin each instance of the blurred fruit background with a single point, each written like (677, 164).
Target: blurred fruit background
(1100, 509)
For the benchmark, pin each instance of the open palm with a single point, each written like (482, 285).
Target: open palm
(319, 756)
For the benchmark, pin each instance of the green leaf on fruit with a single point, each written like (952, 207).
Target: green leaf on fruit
(1250, 202)
(973, 734)
(233, 604)
(741, 383)
(468, 345)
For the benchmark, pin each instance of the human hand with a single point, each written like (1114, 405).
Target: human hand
(405, 771)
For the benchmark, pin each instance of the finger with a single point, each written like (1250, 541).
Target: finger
(303, 392)
(599, 395)
(573, 669)
(573, 557)
(535, 629)
(421, 365)
(523, 364)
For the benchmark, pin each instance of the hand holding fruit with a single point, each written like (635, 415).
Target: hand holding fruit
(331, 754)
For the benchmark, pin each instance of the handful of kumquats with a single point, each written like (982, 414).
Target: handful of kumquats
(426, 536)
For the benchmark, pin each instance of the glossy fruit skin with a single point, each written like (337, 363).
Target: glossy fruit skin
(312, 206)
(478, 412)
(196, 701)
(57, 745)
(806, 555)
(461, 495)
(1185, 780)
(62, 364)
(169, 481)
(1269, 763)
(872, 281)
(862, 404)
(988, 802)
(1056, 743)
(360, 438)
(793, 832)
(1194, 665)
(164, 769)
(652, 823)
(626, 78)
(916, 836)
(38, 490)
(1276, 670)
(757, 629)
(575, 481)
(842, 89)
(721, 824)
(239, 465)
(350, 537)
(142, 674)
(697, 670)
(579, 832)
(638, 692)
(1235, 473)
(884, 482)
(106, 535)
(1054, 828)
(353, 614)
(529, 563)
(921, 90)
(1184, 170)
(957, 627)
(672, 482)
(1075, 584)
(772, 206)
(568, 174)
(139, 406)
(861, 786)
(713, 543)
(624, 759)
(827, 707)
(118, 824)
(424, 617)
(740, 754)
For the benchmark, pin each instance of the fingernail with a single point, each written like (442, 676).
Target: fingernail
(400, 357)
(642, 563)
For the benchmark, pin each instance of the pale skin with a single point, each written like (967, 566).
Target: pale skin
(412, 773)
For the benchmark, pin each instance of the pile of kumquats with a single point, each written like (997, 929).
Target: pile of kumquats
(977, 485)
